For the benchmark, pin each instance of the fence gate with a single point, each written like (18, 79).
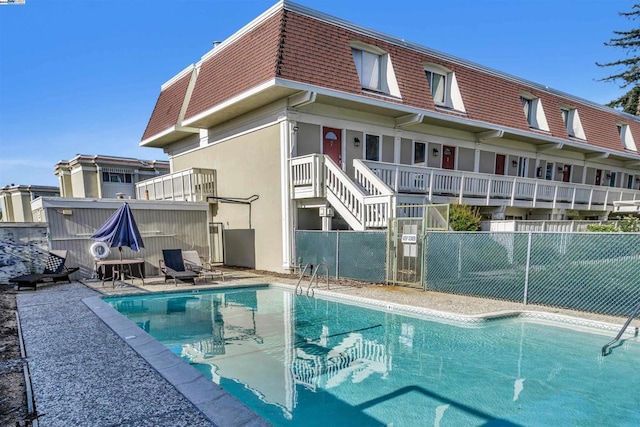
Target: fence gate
(405, 242)
(404, 252)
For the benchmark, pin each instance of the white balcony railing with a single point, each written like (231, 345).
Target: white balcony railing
(192, 185)
(463, 185)
(316, 176)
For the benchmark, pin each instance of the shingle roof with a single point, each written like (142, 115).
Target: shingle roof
(167, 109)
(242, 65)
(304, 46)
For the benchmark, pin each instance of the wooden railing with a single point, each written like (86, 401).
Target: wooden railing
(193, 185)
(443, 182)
(316, 176)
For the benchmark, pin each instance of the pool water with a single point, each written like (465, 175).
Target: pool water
(309, 361)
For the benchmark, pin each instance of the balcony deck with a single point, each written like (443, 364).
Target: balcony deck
(478, 189)
(191, 185)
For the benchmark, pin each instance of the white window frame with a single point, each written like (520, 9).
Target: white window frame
(572, 122)
(366, 143)
(359, 56)
(533, 111)
(626, 137)
(442, 87)
(451, 97)
(386, 79)
(413, 152)
(523, 167)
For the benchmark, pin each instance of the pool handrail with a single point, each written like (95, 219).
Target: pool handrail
(315, 276)
(307, 265)
(624, 328)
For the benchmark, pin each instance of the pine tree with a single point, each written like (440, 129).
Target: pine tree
(630, 76)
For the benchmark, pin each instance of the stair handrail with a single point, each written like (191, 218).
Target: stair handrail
(315, 276)
(624, 327)
(369, 180)
(307, 265)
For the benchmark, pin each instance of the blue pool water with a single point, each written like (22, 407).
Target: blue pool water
(308, 361)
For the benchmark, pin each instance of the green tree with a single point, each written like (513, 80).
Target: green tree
(629, 76)
(464, 218)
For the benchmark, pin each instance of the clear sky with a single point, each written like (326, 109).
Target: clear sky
(83, 76)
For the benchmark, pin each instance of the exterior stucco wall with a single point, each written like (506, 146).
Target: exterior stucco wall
(466, 159)
(77, 184)
(21, 207)
(308, 139)
(246, 165)
(487, 162)
(91, 180)
(387, 149)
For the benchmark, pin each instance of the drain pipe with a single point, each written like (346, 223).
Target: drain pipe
(238, 201)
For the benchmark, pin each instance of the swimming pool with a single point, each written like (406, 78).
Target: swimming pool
(311, 361)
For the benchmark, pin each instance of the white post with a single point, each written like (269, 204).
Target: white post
(526, 272)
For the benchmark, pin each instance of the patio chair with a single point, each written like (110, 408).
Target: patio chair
(198, 264)
(55, 271)
(172, 266)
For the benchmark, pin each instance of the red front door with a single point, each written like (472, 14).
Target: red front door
(598, 177)
(448, 157)
(566, 173)
(332, 144)
(500, 158)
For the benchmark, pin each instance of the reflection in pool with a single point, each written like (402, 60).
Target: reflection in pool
(300, 360)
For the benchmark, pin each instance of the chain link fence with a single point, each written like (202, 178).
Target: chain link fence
(347, 254)
(595, 272)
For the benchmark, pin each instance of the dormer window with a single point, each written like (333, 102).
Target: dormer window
(626, 137)
(368, 65)
(438, 86)
(533, 112)
(444, 87)
(374, 69)
(572, 122)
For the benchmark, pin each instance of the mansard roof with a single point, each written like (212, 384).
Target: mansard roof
(290, 48)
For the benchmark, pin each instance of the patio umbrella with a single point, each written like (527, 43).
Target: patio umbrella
(120, 230)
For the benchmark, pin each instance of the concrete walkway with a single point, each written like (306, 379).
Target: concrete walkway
(83, 374)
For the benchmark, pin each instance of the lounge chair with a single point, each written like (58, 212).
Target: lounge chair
(172, 266)
(196, 263)
(55, 271)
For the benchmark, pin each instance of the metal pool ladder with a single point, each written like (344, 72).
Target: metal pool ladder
(605, 349)
(314, 276)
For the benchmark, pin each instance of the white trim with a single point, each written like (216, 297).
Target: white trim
(244, 30)
(286, 130)
(244, 95)
(93, 203)
(157, 136)
(177, 77)
(187, 99)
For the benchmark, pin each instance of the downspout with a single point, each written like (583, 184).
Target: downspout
(99, 178)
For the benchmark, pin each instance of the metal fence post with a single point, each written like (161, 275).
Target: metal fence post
(337, 252)
(526, 271)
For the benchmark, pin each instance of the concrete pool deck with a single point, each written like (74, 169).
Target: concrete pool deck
(87, 370)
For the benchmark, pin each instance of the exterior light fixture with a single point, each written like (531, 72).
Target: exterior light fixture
(435, 152)
(514, 163)
(356, 141)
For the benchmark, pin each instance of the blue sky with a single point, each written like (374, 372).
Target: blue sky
(82, 76)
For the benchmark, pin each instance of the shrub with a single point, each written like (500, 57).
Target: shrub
(629, 224)
(464, 217)
(602, 228)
